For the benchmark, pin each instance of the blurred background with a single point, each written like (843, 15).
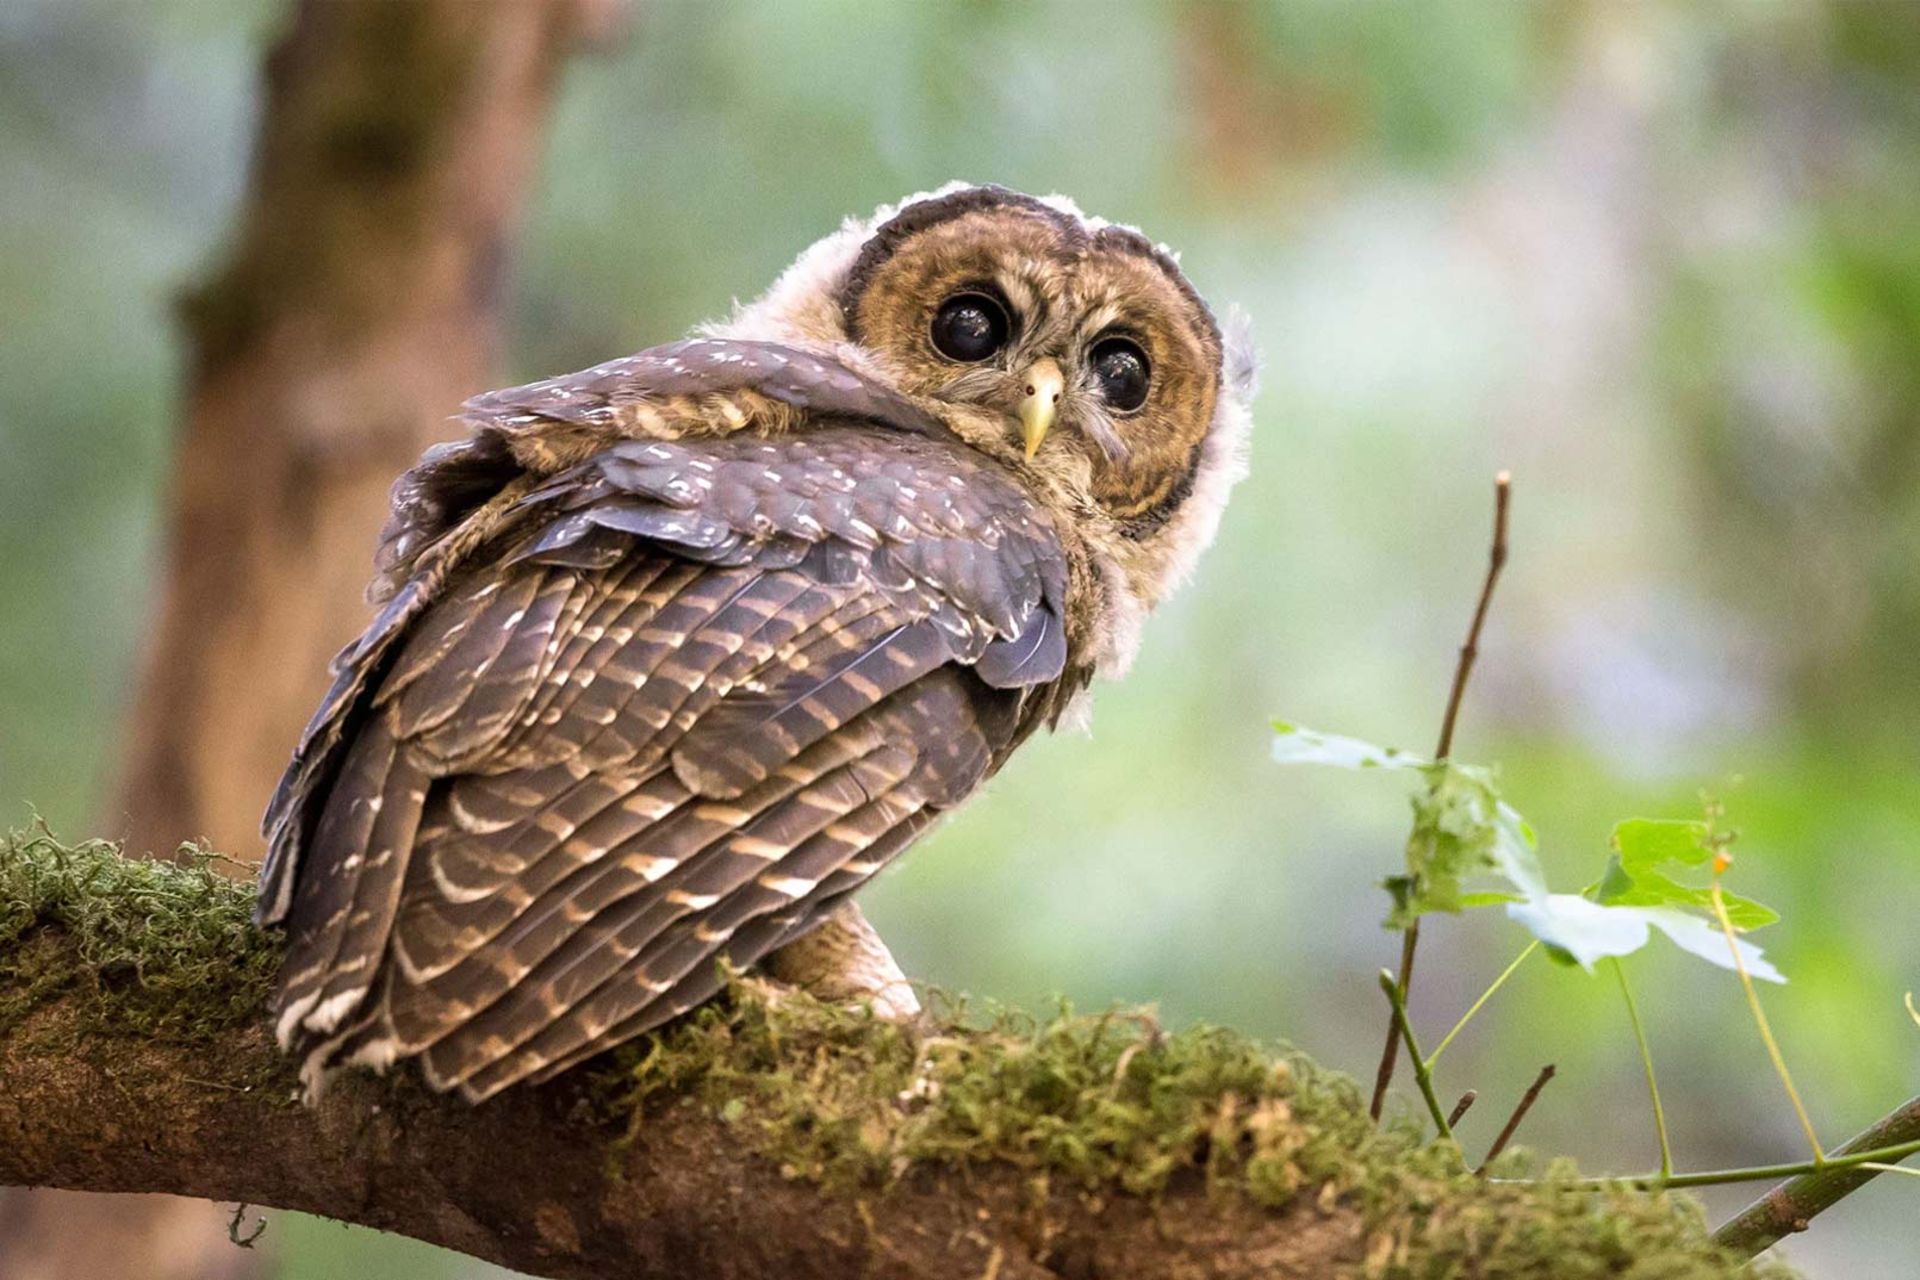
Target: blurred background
(1662, 261)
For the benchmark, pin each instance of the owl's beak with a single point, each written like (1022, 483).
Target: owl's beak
(1040, 403)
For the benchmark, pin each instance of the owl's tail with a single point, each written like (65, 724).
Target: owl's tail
(355, 867)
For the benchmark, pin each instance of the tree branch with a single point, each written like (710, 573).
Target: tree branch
(768, 1137)
(1790, 1206)
(546, 1181)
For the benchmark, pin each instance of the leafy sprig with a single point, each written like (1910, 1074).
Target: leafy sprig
(1464, 830)
(1464, 833)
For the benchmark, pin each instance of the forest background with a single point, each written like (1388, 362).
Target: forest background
(1663, 263)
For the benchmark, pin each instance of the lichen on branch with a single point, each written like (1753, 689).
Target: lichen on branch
(768, 1134)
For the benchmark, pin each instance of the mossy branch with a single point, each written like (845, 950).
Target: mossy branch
(765, 1136)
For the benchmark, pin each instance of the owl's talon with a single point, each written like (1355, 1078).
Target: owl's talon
(843, 961)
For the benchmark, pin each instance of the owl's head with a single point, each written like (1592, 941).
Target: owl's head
(1072, 349)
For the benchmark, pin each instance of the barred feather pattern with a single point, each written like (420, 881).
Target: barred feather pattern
(673, 703)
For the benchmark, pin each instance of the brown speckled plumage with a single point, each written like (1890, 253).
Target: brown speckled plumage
(674, 654)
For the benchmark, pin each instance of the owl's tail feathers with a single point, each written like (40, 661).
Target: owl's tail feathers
(353, 871)
(366, 1041)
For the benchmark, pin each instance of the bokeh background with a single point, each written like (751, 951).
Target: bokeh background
(1662, 261)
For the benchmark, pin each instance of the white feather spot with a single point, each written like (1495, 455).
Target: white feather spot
(327, 1014)
(290, 1019)
(454, 892)
(375, 1054)
(652, 869)
(791, 886)
(756, 847)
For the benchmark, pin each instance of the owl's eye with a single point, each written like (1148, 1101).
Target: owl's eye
(969, 327)
(1120, 369)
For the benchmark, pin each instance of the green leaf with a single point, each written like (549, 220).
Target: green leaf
(1294, 745)
(1634, 875)
(1461, 827)
(1704, 939)
(1576, 928)
(1579, 929)
(1452, 837)
(1745, 913)
(1401, 890)
(1651, 889)
(1614, 884)
(1516, 851)
(1645, 843)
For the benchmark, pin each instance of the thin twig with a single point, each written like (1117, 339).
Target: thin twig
(1462, 669)
(1843, 1161)
(1791, 1205)
(1513, 1121)
(234, 1224)
(1759, 1016)
(215, 1084)
(1806, 1168)
(1390, 1055)
(1461, 1107)
(1496, 561)
(1485, 996)
(1907, 1169)
(1646, 1060)
(1424, 1078)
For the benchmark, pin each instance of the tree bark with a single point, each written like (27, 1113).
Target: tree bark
(544, 1179)
(357, 307)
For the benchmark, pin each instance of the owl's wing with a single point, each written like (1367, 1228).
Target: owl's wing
(702, 692)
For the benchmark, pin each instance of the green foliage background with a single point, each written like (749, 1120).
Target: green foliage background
(1663, 261)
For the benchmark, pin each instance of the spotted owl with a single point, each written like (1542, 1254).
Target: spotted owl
(674, 654)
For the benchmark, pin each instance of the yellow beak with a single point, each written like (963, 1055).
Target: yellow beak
(1040, 403)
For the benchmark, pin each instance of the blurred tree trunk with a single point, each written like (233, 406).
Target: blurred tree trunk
(357, 307)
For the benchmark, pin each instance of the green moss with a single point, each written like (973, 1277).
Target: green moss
(165, 949)
(1111, 1100)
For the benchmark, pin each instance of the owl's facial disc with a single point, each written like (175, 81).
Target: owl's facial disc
(1083, 339)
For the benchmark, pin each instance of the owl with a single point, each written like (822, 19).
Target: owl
(674, 654)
